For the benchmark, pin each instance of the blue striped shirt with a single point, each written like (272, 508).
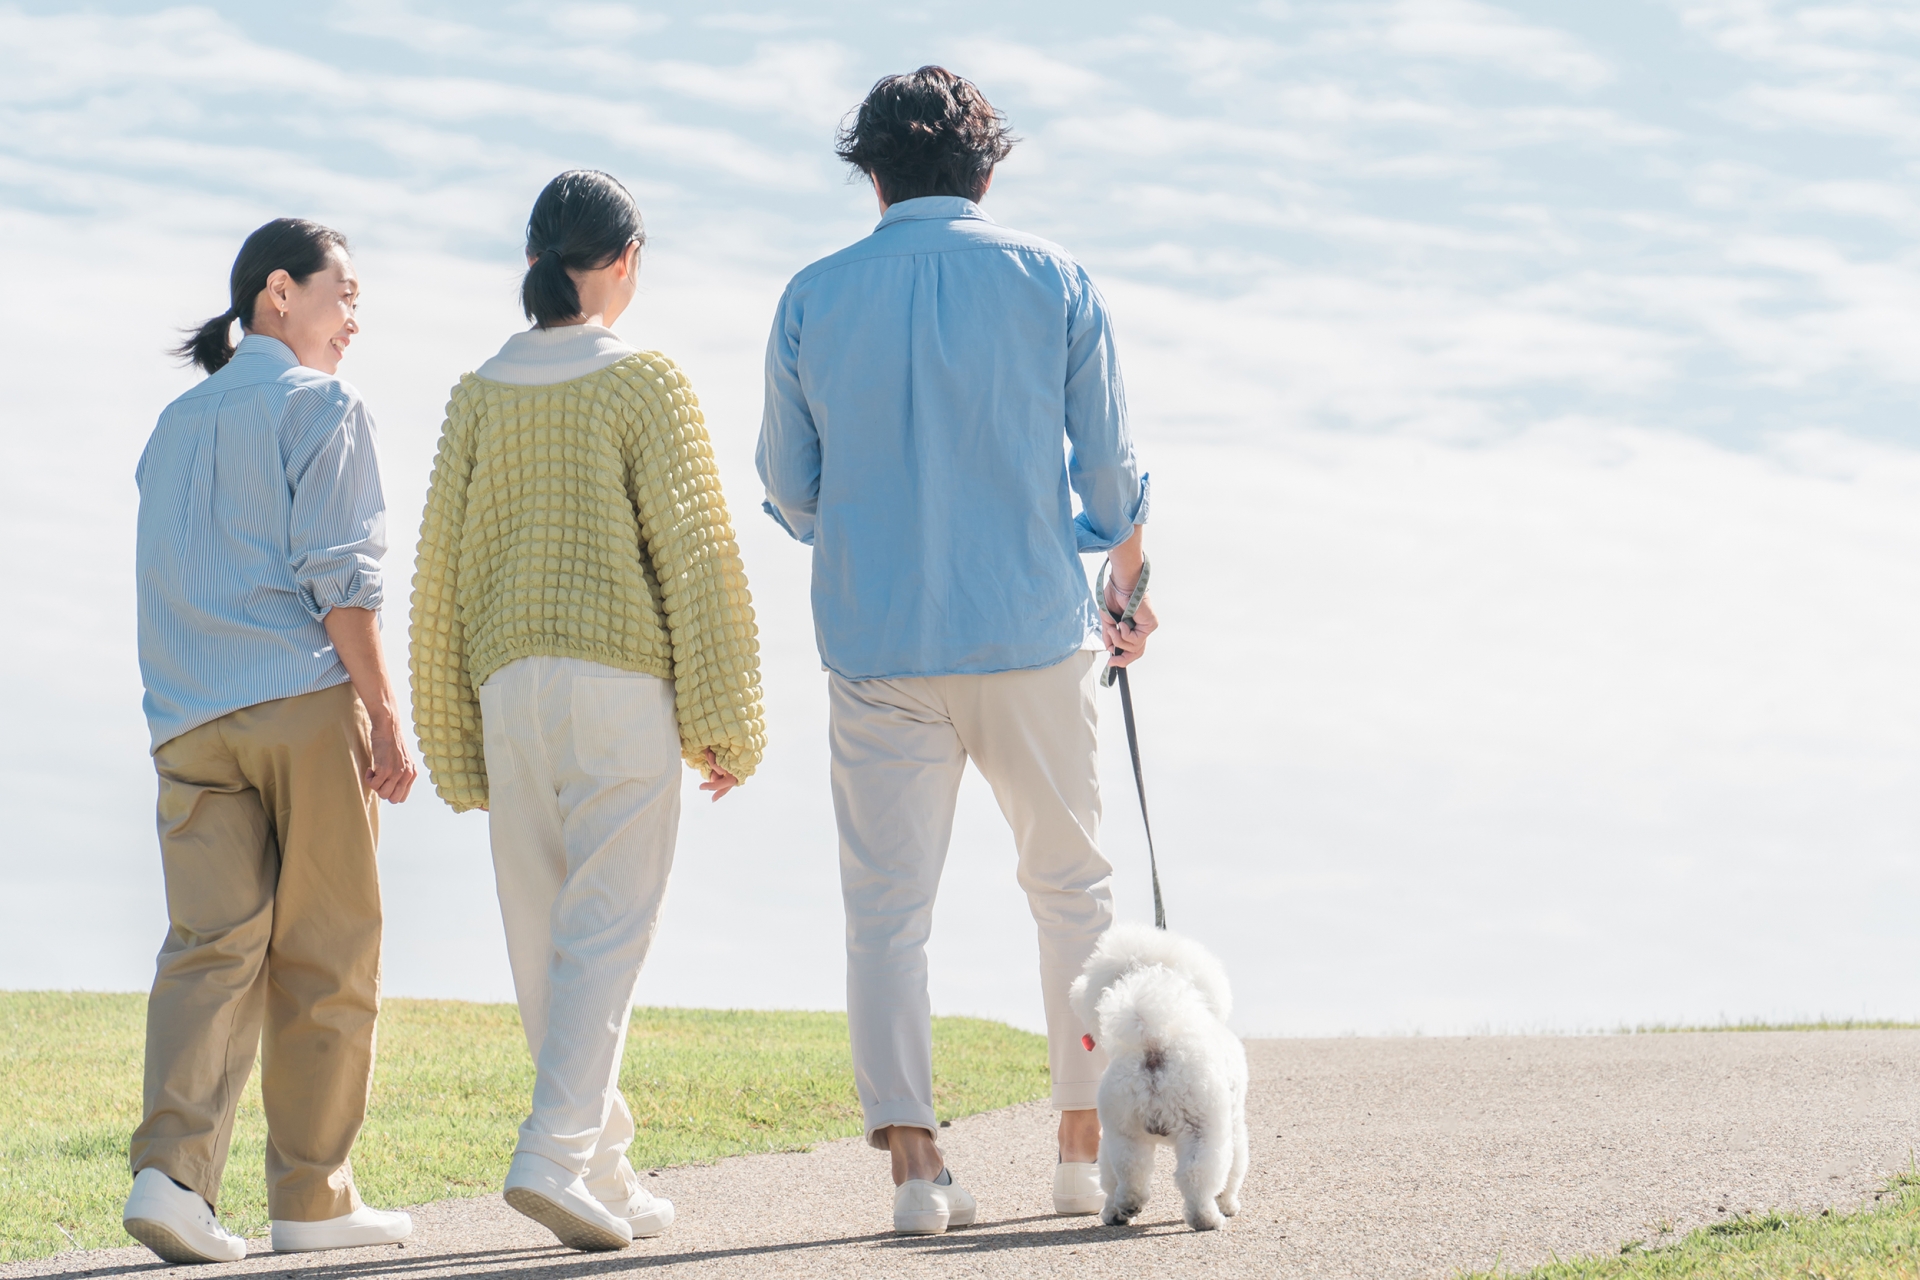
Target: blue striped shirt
(260, 511)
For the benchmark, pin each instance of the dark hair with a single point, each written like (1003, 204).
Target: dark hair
(582, 221)
(293, 244)
(929, 133)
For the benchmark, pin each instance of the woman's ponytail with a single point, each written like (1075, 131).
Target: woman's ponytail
(548, 293)
(292, 244)
(583, 221)
(211, 345)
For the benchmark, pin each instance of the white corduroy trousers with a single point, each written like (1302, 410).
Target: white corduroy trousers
(583, 776)
(899, 748)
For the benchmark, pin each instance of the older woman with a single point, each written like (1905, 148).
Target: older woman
(274, 728)
(581, 625)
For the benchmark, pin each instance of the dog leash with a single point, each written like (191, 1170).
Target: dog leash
(1119, 674)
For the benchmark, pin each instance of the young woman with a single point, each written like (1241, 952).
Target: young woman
(274, 728)
(581, 625)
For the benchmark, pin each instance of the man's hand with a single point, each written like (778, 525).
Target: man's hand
(719, 781)
(1125, 563)
(1129, 638)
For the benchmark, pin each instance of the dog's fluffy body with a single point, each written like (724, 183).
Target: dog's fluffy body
(1158, 1003)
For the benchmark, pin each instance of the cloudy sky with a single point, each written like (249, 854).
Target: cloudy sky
(1528, 390)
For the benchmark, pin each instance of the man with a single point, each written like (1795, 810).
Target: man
(934, 393)
(274, 729)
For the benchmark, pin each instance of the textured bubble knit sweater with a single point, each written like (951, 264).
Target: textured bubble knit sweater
(582, 519)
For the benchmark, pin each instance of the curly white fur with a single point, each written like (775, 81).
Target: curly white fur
(1158, 1004)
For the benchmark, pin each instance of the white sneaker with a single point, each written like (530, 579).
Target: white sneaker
(560, 1202)
(645, 1213)
(922, 1208)
(1076, 1188)
(363, 1226)
(176, 1223)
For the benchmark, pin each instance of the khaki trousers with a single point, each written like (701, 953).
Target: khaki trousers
(267, 834)
(899, 748)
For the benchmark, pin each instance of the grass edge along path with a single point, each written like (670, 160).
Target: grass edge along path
(1756, 1024)
(451, 1084)
(1878, 1241)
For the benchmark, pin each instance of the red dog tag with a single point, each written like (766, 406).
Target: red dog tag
(1088, 1042)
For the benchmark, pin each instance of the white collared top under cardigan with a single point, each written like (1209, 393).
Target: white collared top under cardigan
(543, 357)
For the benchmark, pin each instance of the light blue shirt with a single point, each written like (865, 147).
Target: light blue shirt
(260, 511)
(937, 395)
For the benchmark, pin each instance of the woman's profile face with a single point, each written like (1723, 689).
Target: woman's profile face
(315, 318)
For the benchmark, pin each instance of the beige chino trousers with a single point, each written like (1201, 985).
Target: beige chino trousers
(899, 748)
(267, 835)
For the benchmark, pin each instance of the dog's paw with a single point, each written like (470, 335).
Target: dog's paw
(1114, 1216)
(1204, 1217)
(1229, 1205)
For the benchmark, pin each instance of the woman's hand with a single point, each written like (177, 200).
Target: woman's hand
(719, 781)
(393, 772)
(356, 638)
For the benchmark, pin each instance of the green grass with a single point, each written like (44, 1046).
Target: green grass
(450, 1088)
(1879, 1242)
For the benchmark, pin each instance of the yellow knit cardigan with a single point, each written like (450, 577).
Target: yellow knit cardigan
(581, 520)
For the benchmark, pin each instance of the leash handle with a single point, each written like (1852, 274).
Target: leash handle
(1119, 674)
(1108, 676)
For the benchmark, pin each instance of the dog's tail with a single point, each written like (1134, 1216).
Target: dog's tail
(1150, 1008)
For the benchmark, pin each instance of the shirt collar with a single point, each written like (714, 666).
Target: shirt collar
(932, 207)
(260, 344)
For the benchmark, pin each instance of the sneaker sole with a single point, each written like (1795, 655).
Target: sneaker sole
(356, 1239)
(919, 1224)
(571, 1229)
(1075, 1205)
(162, 1240)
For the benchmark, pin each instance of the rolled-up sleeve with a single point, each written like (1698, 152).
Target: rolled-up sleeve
(788, 455)
(1102, 467)
(339, 527)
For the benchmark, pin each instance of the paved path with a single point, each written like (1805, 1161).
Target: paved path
(1371, 1158)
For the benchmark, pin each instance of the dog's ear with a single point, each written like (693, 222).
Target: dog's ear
(1077, 999)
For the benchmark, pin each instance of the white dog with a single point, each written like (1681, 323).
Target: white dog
(1158, 1003)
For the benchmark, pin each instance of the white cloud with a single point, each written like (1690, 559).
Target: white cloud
(602, 21)
(1841, 110)
(1883, 200)
(1466, 31)
(760, 24)
(807, 79)
(80, 87)
(1844, 68)
(1034, 76)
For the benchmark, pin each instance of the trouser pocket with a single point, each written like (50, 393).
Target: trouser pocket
(623, 726)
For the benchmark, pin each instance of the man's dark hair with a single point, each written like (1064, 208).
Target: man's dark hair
(927, 133)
